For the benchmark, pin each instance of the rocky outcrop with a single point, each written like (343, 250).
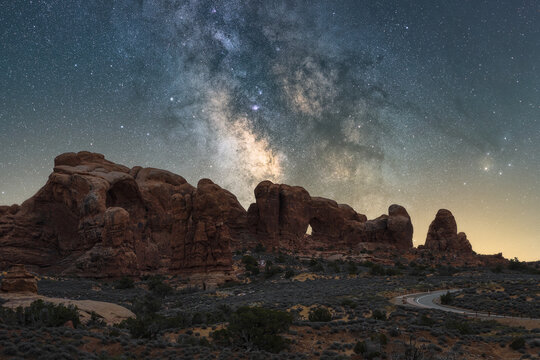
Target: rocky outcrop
(281, 215)
(443, 236)
(19, 280)
(395, 228)
(97, 218)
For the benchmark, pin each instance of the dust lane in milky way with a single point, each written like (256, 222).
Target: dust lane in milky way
(428, 105)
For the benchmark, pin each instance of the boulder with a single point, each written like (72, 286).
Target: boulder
(281, 215)
(19, 280)
(100, 219)
(443, 236)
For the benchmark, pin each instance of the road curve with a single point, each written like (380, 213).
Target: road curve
(427, 300)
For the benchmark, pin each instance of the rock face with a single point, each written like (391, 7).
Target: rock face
(281, 215)
(18, 280)
(97, 218)
(443, 236)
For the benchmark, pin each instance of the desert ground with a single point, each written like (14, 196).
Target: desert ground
(296, 309)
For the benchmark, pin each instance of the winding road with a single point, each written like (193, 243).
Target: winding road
(427, 300)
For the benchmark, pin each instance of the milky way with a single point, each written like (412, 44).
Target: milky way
(368, 102)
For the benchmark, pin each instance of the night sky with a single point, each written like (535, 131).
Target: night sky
(430, 104)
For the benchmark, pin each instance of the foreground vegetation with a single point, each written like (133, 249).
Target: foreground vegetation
(341, 311)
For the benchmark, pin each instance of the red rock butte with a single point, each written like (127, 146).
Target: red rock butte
(96, 218)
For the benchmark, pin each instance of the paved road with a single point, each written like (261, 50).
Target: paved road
(427, 300)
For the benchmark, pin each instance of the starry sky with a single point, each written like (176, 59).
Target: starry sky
(430, 104)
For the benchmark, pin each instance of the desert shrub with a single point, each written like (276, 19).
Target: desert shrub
(360, 347)
(521, 266)
(147, 305)
(270, 270)
(289, 273)
(40, 314)
(222, 337)
(143, 326)
(158, 287)
(124, 283)
(462, 327)
(315, 266)
(377, 269)
(335, 267)
(352, 268)
(95, 320)
(447, 270)
(392, 271)
(425, 320)
(378, 314)
(380, 338)
(256, 327)
(446, 299)
(518, 343)
(147, 323)
(259, 248)
(281, 258)
(251, 265)
(320, 314)
(348, 303)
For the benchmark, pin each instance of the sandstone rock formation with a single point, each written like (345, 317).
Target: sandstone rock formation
(282, 213)
(18, 280)
(97, 218)
(100, 219)
(443, 236)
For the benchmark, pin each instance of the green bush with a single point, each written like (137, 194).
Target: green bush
(517, 343)
(426, 320)
(158, 287)
(222, 337)
(377, 269)
(352, 268)
(315, 266)
(348, 303)
(281, 258)
(289, 273)
(320, 314)
(447, 298)
(521, 266)
(360, 347)
(259, 248)
(378, 314)
(256, 327)
(40, 314)
(124, 283)
(271, 270)
(462, 327)
(147, 305)
(250, 264)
